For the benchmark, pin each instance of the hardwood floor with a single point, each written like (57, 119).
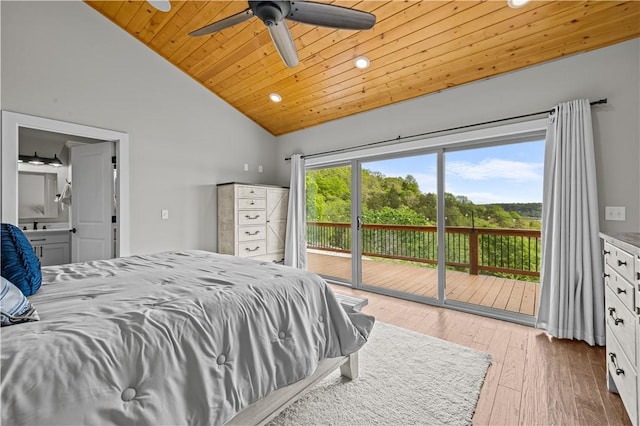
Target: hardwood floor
(500, 293)
(533, 380)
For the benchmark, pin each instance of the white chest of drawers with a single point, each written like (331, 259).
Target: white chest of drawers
(252, 220)
(622, 304)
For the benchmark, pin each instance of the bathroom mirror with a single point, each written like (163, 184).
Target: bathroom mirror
(36, 195)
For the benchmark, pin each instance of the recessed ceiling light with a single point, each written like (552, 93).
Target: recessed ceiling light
(514, 4)
(275, 97)
(161, 5)
(362, 62)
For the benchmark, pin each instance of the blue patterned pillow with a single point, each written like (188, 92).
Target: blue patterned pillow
(14, 306)
(20, 265)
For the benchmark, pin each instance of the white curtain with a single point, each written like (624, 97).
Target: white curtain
(572, 290)
(295, 248)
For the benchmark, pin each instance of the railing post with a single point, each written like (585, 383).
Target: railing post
(473, 252)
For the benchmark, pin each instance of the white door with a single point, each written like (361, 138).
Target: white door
(91, 202)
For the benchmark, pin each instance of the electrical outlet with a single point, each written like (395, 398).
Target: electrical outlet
(246, 167)
(260, 169)
(614, 213)
(165, 214)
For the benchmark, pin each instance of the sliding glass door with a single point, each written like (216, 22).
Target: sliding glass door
(493, 207)
(398, 225)
(329, 203)
(458, 227)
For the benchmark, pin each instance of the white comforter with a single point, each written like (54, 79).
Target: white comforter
(173, 338)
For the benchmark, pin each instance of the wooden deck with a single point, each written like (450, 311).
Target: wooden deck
(501, 293)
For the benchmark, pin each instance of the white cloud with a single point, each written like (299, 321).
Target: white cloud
(491, 198)
(495, 168)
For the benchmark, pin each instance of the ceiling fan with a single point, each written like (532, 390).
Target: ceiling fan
(274, 13)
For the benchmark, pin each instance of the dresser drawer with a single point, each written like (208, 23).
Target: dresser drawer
(620, 287)
(49, 238)
(251, 192)
(252, 203)
(621, 371)
(622, 323)
(252, 248)
(251, 217)
(252, 233)
(621, 261)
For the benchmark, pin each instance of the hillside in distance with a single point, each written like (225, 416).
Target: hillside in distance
(530, 210)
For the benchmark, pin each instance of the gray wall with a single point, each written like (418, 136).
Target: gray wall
(612, 72)
(63, 60)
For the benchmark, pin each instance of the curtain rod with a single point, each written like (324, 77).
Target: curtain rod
(401, 138)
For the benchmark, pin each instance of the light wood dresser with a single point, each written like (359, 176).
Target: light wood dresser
(622, 304)
(252, 220)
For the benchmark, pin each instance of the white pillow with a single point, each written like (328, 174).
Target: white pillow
(14, 306)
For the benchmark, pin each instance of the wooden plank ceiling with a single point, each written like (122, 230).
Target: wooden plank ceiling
(415, 48)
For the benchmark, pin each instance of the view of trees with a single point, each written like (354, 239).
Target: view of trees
(396, 200)
(399, 201)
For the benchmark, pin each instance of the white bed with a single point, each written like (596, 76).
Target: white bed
(172, 338)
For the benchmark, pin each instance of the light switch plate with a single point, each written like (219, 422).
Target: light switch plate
(614, 213)
(165, 214)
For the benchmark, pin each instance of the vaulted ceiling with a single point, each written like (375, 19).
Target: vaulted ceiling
(415, 48)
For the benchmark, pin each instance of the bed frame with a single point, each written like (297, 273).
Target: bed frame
(267, 408)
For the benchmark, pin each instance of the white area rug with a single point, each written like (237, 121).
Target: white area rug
(406, 378)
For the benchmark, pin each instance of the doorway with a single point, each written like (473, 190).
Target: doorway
(13, 123)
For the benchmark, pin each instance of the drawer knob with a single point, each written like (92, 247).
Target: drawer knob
(605, 252)
(620, 290)
(620, 263)
(252, 217)
(619, 371)
(252, 203)
(606, 275)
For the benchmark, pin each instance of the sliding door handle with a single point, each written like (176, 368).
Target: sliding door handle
(358, 223)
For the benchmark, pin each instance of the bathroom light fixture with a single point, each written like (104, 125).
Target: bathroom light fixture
(362, 62)
(514, 4)
(35, 160)
(275, 97)
(56, 161)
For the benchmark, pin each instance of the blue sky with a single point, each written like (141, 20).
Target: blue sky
(501, 174)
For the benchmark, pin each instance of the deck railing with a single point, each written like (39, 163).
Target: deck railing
(497, 250)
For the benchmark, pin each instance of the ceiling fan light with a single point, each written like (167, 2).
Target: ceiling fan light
(161, 5)
(362, 62)
(275, 97)
(35, 160)
(514, 4)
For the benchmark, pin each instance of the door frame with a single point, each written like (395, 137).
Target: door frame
(13, 121)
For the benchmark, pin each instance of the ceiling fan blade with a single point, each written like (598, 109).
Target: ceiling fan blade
(283, 41)
(223, 23)
(330, 15)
